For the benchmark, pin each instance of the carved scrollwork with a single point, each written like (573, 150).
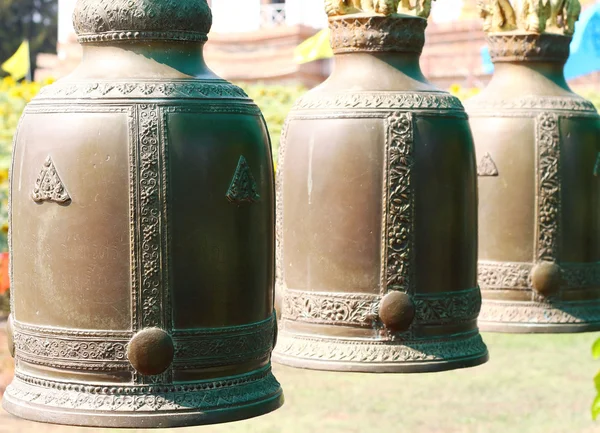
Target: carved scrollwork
(377, 33)
(343, 350)
(548, 187)
(116, 20)
(522, 47)
(517, 276)
(137, 399)
(381, 100)
(361, 310)
(540, 313)
(183, 89)
(400, 217)
(569, 104)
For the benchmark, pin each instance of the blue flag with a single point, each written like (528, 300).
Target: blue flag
(585, 47)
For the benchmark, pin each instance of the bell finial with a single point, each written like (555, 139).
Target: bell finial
(116, 20)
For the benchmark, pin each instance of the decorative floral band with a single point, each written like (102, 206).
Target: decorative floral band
(362, 310)
(377, 34)
(86, 350)
(510, 47)
(507, 275)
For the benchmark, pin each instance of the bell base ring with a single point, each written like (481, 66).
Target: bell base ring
(539, 318)
(182, 408)
(361, 356)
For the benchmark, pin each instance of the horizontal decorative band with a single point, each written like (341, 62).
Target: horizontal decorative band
(182, 89)
(346, 350)
(141, 36)
(361, 310)
(97, 350)
(523, 47)
(202, 395)
(540, 313)
(374, 33)
(381, 100)
(570, 104)
(517, 276)
(231, 346)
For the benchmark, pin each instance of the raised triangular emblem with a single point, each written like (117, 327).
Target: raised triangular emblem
(487, 166)
(48, 186)
(243, 187)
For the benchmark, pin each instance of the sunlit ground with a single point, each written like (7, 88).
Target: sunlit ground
(541, 384)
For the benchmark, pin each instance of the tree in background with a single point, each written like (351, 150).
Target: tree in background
(35, 20)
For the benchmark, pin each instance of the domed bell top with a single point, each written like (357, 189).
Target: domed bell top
(180, 20)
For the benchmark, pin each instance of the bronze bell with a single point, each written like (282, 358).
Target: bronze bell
(377, 210)
(142, 233)
(538, 161)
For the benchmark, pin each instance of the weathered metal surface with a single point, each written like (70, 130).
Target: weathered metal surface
(142, 233)
(537, 144)
(377, 213)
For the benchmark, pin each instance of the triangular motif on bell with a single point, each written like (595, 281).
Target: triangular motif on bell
(49, 186)
(243, 188)
(487, 166)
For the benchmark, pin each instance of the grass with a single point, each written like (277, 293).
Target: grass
(532, 384)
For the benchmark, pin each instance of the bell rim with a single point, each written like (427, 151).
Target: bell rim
(215, 401)
(538, 328)
(476, 357)
(137, 420)
(380, 368)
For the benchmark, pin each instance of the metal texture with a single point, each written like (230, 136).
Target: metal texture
(537, 144)
(377, 213)
(142, 233)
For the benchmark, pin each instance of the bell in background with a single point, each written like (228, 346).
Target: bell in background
(377, 210)
(538, 164)
(142, 233)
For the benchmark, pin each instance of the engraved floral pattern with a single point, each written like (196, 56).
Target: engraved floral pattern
(186, 89)
(150, 222)
(358, 351)
(532, 47)
(330, 308)
(142, 19)
(377, 33)
(201, 396)
(48, 186)
(548, 187)
(381, 100)
(348, 309)
(400, 217)
(577, 104)
(540, 313)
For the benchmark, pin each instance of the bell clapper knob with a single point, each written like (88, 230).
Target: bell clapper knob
(546, 278)
(397, 311)
(151, 351)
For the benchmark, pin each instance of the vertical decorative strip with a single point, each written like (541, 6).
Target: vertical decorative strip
(399, 217)
(548, 201)
(151, 226)
(133, 216)
(279, 279)
(165, 232)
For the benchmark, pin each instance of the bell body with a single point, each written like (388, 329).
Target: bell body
(142, 244)
(377, 214)
(537, 146)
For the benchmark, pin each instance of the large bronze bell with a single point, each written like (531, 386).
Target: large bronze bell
(537, 146)
(377, 210)
(142, 233)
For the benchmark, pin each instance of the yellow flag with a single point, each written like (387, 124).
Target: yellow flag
(18, 65)
(314, 48)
